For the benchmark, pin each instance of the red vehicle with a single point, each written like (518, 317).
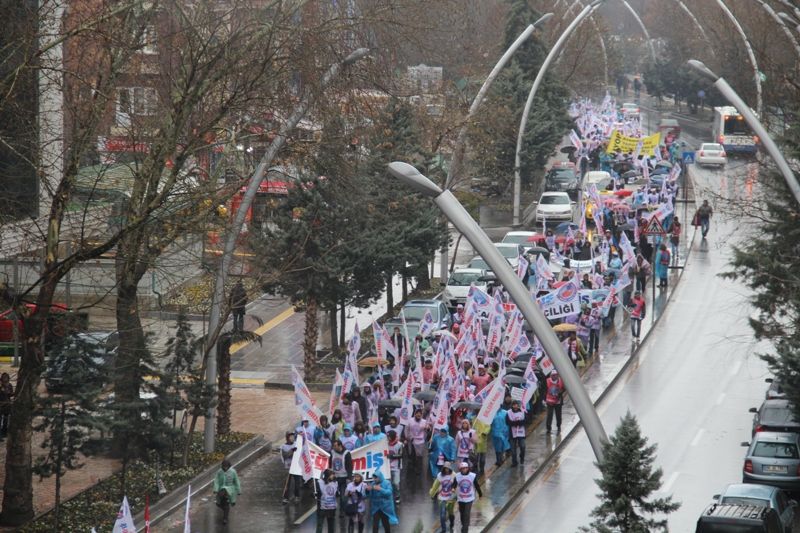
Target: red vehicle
(60, 323)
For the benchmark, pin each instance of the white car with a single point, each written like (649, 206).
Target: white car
(510, 251)
(630, 110)
(554, 206)
(523, 238)
(455, 292)
(599, 178)
(711, 154)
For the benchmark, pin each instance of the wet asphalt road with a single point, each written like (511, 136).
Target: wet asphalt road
(696, 377)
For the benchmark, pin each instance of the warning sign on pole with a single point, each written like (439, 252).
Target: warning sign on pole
(654, 227)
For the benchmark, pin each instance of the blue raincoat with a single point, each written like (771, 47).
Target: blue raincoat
(445, 445)
(381, 498)
(499, 432)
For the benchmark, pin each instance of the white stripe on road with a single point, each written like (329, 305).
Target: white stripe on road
(697, 437)
(668, 485)
(720, 398)
(736, 368)
(304, 516)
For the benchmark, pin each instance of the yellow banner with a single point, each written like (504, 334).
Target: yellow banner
(620, 143)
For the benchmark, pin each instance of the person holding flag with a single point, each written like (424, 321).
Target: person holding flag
(516, 423)
(444, 489)
(226, 488)
(381, 503)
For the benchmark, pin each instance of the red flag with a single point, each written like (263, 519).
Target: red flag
(146, 513)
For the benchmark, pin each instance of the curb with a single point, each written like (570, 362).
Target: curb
(239, 458)
(572, 432)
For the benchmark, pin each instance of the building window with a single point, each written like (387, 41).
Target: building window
(147, 40)
(135, 101)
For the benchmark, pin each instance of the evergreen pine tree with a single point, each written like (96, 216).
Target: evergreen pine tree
(71, 415)
(627, 481)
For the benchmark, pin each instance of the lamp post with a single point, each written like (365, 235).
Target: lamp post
(752, 121)
(697, 25)
(790, 20)
(750, 54)
(644, 29)
(458, 152)
(777, 18)
(599, 37)
(454, 211)
(554, 51)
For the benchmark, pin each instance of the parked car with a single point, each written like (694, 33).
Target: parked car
(554, 206)
(414, 310)
(563, 178)
(774, 415)
(718, 518)
(711, 154)
(630, 110)
(760, 496)
(455, 292)
(523, 238)
(773, 459)
(91, 353)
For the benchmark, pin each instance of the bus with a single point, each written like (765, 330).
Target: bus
(732, 132)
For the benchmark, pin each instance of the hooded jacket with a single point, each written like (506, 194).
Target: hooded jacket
(381, 498)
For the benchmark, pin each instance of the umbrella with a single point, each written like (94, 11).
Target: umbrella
(513, 380)
(425, 395)
(664, 163)
(564, 328)
(536, 237)
(372, 360)
(445, 332)
(467, 405)
(395, 402)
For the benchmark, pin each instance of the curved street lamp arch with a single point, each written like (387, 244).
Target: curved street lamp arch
(789, 35)
(750, 54)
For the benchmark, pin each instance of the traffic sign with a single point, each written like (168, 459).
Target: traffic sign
(688, 158)
(654, 227)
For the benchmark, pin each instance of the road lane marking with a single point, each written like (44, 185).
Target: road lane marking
(696, 439)
(736, 368)
(668, 485)
(720, 398)
(304, 516)
(267, 326)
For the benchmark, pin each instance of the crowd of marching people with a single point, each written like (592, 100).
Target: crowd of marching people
(442, 401)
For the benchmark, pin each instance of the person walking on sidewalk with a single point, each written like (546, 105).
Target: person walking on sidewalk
(663, 260)
(238, 305)
(675, 239)
(554, 399)
(293, 482)
(516, 424)
(466, 487)
(381, 503)
(355, 507)
(327, 492)
(637, 308)
(702, 217)
(444, 489)
(226, 488)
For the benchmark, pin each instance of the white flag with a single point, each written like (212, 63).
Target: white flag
(124, 523)
(187, 524)
(303, 399)
(426, 324)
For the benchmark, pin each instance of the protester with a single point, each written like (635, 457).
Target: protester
(466, 439)
(342, 465)
(500, 435)
(444, 490)
(554, 399)
(395, 462)
(238, 303)
(482, 379)
(516, 424)
(355, 503)
(442, 449)
(702, 217)
(381, 503)
(293, 482)
(348, 439)
(675, 238)
(637, 308)
(466, 487)
(226, 488)
(663, 261)
(324, 434)
(327, 501)
(417, 428)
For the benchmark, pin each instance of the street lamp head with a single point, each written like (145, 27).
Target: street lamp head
(543, 19)
(411, 177)
(596, 3)
(701, 67)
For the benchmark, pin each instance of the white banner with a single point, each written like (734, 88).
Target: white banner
(371, 458)
(303, 400)
(561, 302)
(490, 405)
(318, 459)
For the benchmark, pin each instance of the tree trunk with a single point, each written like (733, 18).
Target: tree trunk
(389, 294)
(224, 385)
(310, 339)
(57, 510)
(334, 332)
(18, 486)
(405, 285)
(423, 281)
(188, 444)
(343, 326)
(132, 348)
